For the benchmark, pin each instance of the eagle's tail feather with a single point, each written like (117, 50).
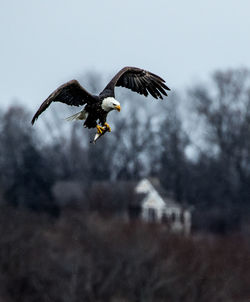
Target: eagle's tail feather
(82, 115)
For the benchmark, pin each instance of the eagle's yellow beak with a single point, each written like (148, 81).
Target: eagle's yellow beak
(118, 108)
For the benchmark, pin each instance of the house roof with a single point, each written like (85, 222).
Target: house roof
(155, 183)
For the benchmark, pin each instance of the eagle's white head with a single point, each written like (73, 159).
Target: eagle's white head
(110, 103)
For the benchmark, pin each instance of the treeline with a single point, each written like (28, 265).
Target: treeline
(88, 258)
(197, 145)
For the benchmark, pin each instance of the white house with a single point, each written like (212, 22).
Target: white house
(157, 208)
(144, 200)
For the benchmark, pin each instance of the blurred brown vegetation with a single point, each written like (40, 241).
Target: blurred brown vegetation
(83, 257)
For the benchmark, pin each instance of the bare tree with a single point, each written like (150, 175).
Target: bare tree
(25, 175)
(225, 117)
(173, 143)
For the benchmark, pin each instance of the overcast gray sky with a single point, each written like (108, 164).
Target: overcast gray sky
(45, 43)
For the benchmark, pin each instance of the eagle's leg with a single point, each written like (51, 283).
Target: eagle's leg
(100, 129)
(107, 126)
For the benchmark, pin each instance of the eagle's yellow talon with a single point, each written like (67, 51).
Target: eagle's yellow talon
(108, 127)
(100, 129)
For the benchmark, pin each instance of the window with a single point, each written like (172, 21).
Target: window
(151, 215)
(173, 217)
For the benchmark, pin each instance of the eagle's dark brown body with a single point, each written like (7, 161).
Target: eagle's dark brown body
(97, 107)
(95, 113)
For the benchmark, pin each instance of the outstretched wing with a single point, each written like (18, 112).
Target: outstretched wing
(140, 81)
(70, 93)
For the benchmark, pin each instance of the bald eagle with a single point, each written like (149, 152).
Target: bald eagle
(97, 107)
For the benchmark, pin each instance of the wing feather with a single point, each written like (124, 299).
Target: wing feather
(70, 93)
(160, 88)
(152, 91)
(140, 81)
